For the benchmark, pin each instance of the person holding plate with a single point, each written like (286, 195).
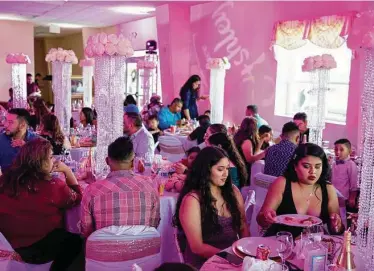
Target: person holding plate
(189, 94)
(304, 189)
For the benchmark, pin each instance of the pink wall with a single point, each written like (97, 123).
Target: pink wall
(242, 31)
(16, 37)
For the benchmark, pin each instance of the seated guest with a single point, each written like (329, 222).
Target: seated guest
(300, 119)
(213, 129)
(177, 180)
(86, 116)
(252, 111)
(15, 136)
(248, 142)
(152, 108)
(171, 114)
(40, 110)
(122, 198)
(50, 129)
(199, 133)
(238, 169)
(266, 133)
(210, 209)
(131, 108)
(33, 205)
(278, 156)
(303, 189)
(142, 140)
(345, 172)
(129, 100)
(152, 124)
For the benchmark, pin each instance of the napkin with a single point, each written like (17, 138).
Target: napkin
(252, 264)
(136, 267)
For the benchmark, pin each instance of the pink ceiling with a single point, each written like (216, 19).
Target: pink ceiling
(87, 13)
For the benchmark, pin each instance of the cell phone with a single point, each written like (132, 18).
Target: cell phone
(230, 258)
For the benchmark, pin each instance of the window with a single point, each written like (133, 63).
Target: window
(133, 80)
(292, 84)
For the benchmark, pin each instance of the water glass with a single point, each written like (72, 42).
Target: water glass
(286, 245)
(315, 233)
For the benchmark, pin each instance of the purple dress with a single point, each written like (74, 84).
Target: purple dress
(223, 240)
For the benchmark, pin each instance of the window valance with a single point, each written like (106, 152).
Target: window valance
(327, 32)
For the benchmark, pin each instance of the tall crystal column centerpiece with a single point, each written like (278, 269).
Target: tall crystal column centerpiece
(62, 61)
(319, 69)
(18, 62)
(110, 53)
(148, 75)
(217, 67)
(87, 68)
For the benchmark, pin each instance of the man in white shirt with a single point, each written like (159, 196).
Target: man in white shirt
(141, 139)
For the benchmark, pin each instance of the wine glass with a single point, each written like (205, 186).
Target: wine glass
(315, 233)
(285, 240)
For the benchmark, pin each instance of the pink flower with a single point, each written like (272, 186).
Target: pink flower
(53, 56)
(124, 48)
(70, 52)
(88, 51)
(98, 49)
(110, 49)
(61, 54)
(52, 50)
(112, 38)
(140, 64)
(103, 38)
(10, 59)
(94, 39)
(75, 60)
(69, 58)
(89, 40)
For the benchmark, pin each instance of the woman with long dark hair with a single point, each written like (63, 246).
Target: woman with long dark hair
(305, 189)
(189, 94)
(86, 116)
(40, 110)
(238, 169)
(213, 129)
(129, 100)
(210, 209)
(33, 204)
(50, 129)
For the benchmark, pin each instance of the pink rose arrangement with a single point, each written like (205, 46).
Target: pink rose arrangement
(368, 40)
(218, 63)
(103, 44)
(17, 59)
(143, 64)
(62, 55)
(87, 62)
(324, 61)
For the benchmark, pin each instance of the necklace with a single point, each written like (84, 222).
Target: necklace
(310, 195)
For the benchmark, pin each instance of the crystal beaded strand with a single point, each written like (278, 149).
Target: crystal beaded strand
(19, 85)
(365, 227)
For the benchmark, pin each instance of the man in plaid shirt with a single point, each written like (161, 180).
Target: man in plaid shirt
(122, 198)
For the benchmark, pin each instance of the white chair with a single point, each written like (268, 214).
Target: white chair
(261, 185)
(257, 167)
(11, 260)
(117, 248)
(171, 148)
(249, 197)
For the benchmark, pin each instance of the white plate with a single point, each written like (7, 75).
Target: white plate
(296, 220)
(248, 245)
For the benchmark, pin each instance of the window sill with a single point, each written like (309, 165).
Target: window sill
(327, 121)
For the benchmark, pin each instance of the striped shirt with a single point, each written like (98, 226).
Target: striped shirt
(121, 199)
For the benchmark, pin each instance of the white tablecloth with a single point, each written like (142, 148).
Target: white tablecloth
(77, 153)
(168, 203)
(187, 144)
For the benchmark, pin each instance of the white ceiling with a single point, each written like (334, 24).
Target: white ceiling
(85, 13)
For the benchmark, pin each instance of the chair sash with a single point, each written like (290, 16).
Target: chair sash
(122, 250)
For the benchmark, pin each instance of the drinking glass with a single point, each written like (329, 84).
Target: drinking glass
(315, 233)
(278, 267)
(286, 245)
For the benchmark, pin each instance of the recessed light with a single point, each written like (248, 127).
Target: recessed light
(65, 25)
(133, 10)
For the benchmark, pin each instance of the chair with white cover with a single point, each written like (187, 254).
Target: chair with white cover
(249, 197)
(257, 167)
(171, 148)
(116, 248)
(12, 261)
(261, 185)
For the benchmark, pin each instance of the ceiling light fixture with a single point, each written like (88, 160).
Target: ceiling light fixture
(133, 10)
(12, 17)
(65, 25)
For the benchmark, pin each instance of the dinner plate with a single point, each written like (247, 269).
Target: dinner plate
(296, 220)
(248, 245)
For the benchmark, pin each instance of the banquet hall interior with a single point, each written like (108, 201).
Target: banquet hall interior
(186, 135)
